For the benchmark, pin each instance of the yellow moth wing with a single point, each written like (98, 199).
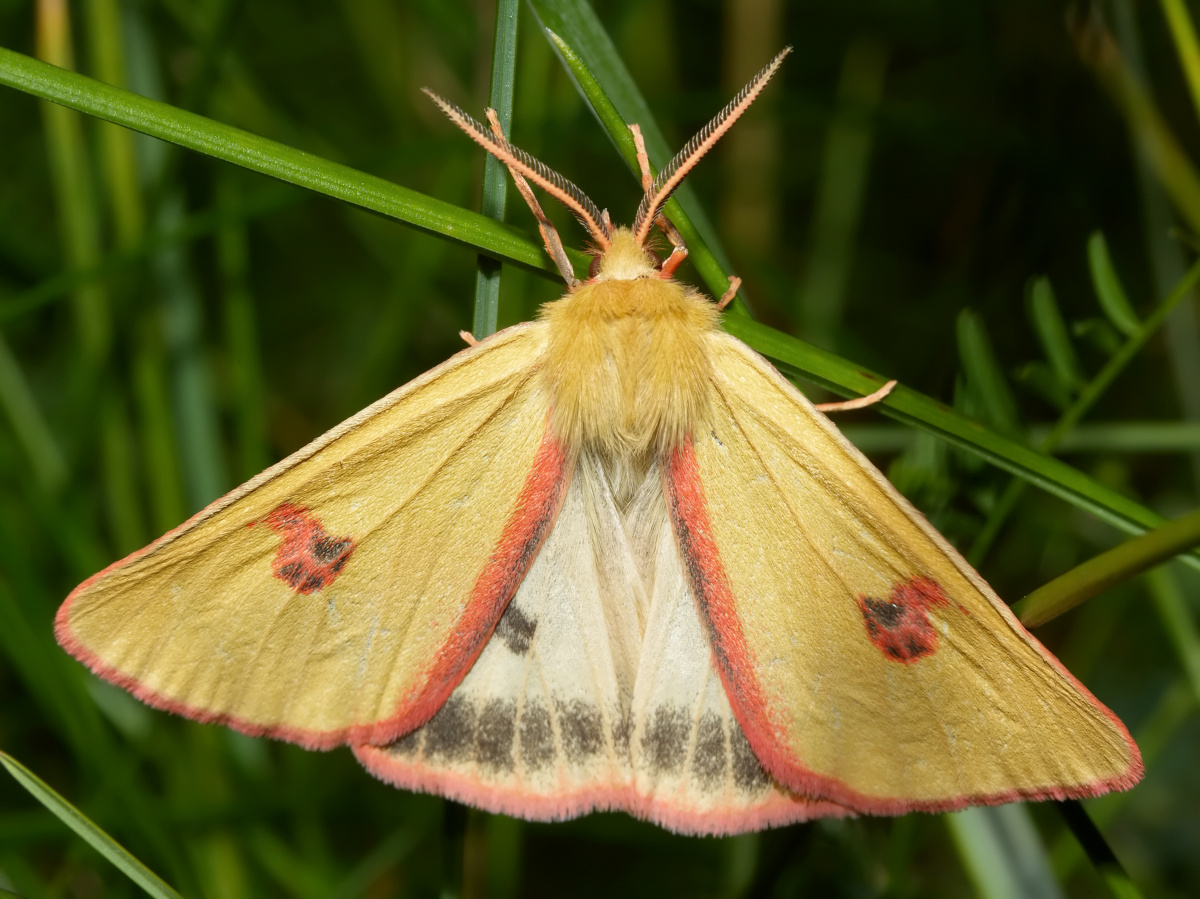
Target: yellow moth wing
(867, 662)
(415, 493)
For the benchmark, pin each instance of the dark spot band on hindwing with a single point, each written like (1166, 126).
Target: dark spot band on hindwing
(665, 739)
(536, 737)
(582, 730)
(708, 758)
(748, 773)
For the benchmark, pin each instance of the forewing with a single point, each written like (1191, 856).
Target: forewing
(342, 594)
(866, 661)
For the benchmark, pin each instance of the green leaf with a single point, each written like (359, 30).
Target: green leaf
(1108, 569)
(270, 158)
(86, 828)
(1052, 333)
(1108, 287)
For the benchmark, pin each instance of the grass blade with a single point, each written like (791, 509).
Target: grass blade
(1098, 850)
(495, 177)
(88, 830)
(1108, 569)
(1052, 334)
(1108, 287)
(269, 157)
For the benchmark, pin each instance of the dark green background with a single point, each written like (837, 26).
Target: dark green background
(993, 154)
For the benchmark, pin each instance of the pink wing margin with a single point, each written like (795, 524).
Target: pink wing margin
(736, 664)
(529, 522)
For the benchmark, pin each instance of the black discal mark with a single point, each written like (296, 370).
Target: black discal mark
(450, 733)
(327, 550)
(665, 739)
(708, 759)
(582, 729)
(516, 630)
(537, 737)
(408, 744)
(748, 773)
(883, 613)
(494, 735)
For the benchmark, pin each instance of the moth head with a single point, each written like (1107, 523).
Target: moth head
(619, 253)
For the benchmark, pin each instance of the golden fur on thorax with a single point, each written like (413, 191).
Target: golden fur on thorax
(627, 365)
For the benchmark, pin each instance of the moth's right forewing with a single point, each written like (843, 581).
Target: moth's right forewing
(342, 594)
(865, 660)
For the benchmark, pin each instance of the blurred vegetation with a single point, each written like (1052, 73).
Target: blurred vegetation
(979, 199)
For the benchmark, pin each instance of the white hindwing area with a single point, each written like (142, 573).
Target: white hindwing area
(597, 690)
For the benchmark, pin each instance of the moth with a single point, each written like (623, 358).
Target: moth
(609, 559)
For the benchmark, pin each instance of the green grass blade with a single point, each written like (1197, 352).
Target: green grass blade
(1003, 853)
(1109, 291)
(269, 157)
(1108, 569)
(495, 176)
(1053, 335)
(578, 26)
(1098, 850)
(88, 830)
(701, 254)
(1178, 621)
(1183, 32)
(592, 60)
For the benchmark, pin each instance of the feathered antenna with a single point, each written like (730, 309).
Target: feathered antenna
(685, 160)
(517, 160)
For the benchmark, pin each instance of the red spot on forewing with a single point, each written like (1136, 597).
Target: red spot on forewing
(899, 625)
(309, 558)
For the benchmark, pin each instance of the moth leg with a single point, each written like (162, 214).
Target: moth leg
(468, 338)
(735, 284)
(679, 250)
(861, 403)
(550, 238)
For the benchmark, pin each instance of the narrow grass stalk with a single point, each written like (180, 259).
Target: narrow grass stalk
(1108, 569)
(495, 177)
(1097, 849)
(269, 157)
(88, 830)
(1183, 32)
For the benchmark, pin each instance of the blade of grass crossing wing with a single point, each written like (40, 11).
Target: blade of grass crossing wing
(87, 829)
(495, 177)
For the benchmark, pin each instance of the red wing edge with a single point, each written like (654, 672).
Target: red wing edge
(736, 664)
(528, 524)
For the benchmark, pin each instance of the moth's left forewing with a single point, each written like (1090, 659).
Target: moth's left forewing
(866, 661)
